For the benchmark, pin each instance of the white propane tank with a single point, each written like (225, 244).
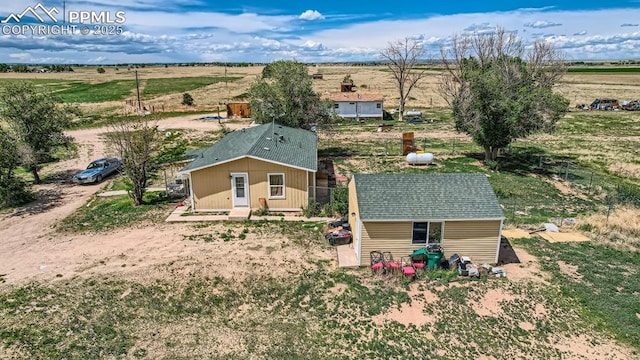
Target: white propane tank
(419, 159)
(413, 113)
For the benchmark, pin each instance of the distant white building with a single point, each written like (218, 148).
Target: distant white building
(351, 105)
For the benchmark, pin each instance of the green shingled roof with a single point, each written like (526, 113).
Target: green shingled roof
(433, 196)
(289, 146)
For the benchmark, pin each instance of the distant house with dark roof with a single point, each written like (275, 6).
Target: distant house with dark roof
(273, 162)
(404, 212)
(356, 106)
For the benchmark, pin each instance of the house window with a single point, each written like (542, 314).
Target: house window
(425, 233)
(276, 186)
(336, 106)
(378, 106)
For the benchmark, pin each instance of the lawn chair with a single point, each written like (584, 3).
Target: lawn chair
(406, 265)
(419, 258)
(418, 264)
(377, 261)
(390, 266)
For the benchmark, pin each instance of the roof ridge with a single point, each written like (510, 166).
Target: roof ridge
(257, 142)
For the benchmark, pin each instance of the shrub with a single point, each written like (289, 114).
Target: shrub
(100, 70)
(14, 191)
(314, 209)
(187, 99)
(340, 200)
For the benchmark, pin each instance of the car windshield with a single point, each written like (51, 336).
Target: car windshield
(95, 165)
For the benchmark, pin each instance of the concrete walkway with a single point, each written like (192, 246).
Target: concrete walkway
(124, 192)
(178, 215)
(346, 256)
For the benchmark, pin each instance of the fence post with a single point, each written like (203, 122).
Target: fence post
(566, 172)
(590, 183)
(540, 162)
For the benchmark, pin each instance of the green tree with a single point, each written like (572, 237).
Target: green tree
(100, 70)
(36, 123)
(187, 99)
(499, 90)
(284, 94)
(13, 190)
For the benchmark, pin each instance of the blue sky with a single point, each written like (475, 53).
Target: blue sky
(327, 31)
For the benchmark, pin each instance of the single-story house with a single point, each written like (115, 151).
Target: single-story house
(269, 161)
(404, 212)
(356, 105)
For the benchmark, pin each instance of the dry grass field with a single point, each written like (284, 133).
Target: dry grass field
(579, 88)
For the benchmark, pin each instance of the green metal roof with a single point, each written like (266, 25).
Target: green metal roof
(276, 143)
(433, 196)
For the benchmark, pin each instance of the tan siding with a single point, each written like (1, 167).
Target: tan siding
(476, 239)
(387, 236)
(212, 186)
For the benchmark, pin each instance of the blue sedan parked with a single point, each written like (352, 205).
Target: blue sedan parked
(98, 170)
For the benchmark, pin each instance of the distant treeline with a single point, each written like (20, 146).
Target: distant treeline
(22, 68)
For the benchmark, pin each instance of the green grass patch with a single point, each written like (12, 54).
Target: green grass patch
(107, 213)
(83, 92)
(156, 87)
(604, 284)
(603, 70)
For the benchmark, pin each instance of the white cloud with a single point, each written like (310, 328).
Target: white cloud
(541, 24)
(629, 25)
(24, 56)
(480, 28)
(580, 33)
(311, 15)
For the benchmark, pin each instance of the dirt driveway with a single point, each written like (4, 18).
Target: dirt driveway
(30, 246)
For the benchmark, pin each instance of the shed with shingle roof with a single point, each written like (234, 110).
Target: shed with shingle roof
(401, 213)
(269, 161)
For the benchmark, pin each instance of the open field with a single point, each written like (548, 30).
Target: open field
(581, 86)
(89, 278)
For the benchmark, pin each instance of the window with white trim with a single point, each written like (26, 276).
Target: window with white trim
(425, 233)
(378, 106)
(276, 186)
(336, 106)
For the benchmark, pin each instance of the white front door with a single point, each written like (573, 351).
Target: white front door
(240, 189)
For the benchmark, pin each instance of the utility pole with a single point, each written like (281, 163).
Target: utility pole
(226, 82)
(138, 92)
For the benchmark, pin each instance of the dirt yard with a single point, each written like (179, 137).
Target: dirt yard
(32, 248)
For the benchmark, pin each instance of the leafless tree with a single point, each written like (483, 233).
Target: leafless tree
(485, 74)
(402, 57)
(135, 142)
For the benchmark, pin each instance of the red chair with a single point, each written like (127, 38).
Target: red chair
(418, 264)
(388, 263)
(407, 267)
(377, 261)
